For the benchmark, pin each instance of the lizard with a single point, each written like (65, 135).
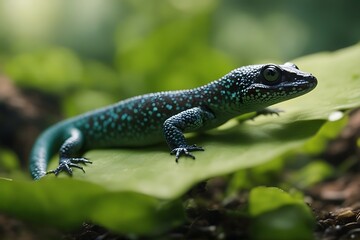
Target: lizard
(167, 115)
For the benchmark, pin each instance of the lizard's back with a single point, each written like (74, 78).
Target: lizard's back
(136, 121)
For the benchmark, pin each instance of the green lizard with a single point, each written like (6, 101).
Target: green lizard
(151, 118)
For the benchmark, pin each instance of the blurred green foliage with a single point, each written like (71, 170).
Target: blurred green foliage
(8, 162)
(279, 215)
(53, 69)
(48, 204)
(112, 50)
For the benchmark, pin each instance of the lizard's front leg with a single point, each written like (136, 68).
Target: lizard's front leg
(186, 121)
(69, 148)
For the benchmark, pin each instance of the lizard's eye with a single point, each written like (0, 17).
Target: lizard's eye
(271, 73)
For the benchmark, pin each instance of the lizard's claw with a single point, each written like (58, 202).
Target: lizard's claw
(185, 150)
(67, 163)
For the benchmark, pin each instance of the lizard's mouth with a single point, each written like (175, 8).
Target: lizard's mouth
(309, 80)
(297, 85)
(301, 86)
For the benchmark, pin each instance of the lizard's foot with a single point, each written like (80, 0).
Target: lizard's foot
(67, 163)
(185, 150)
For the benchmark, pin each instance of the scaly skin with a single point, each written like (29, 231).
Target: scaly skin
(150, 118)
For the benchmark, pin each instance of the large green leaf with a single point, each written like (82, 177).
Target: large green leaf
(153, 171)
(122, 187)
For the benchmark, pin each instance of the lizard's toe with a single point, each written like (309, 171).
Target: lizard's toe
(66, 165)
(185, 151)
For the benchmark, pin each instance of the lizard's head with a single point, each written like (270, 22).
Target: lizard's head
(270, 83)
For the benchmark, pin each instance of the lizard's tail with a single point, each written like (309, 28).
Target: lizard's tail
(45, 147)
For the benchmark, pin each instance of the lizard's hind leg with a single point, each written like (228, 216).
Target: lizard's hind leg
(71, 146)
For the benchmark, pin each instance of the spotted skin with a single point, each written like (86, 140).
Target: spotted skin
(153, 118)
